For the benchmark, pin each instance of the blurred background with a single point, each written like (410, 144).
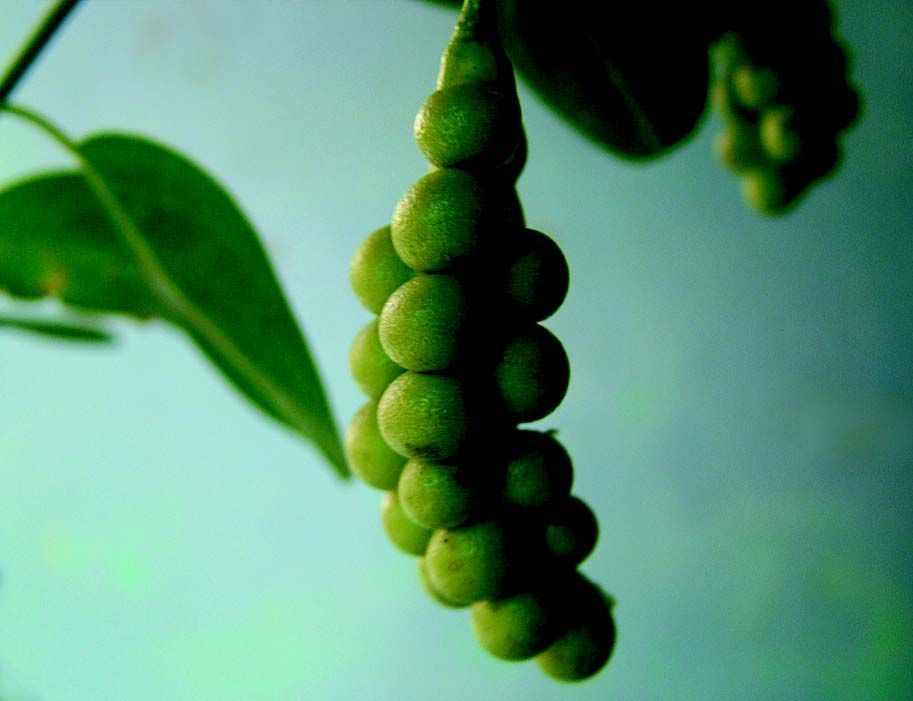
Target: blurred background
(740, 411)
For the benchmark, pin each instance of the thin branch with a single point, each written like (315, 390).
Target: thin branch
(34, 46)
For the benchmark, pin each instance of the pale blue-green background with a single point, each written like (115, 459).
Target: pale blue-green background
(740, 410)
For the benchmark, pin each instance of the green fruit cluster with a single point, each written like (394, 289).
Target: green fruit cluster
(781, 89)
(456, 360)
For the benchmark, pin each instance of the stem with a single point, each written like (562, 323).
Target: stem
(34, 46)
(174, 302)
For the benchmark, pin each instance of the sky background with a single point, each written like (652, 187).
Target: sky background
(740, 412)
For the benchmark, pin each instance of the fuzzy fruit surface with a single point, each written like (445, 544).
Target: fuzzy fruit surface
(470, 125)
(404, 533)
(437, 495)
(444, 219)
(572, 531)
(469, 564)
(424, 416)
(587, 644)
(370, 458)
(431, 590)
(532, 374)
(371, 367)
(539, 472)
(423, 323)
(376, 270)
(517, 627)
(537, 277)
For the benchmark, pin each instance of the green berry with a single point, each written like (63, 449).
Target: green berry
(779, 135)
(587, 645)
(468, 564)
(764, 190)
(403, 532)
(468, 125)
(754, 87)
(376, 270)
(539, 471)
(371, 366)
(430, 589)
(370, 458)
(536, 279)
(424, 416)
(517, 627)
(443, 220)
(436, 495)
(468, 62)
(422, 324)
(532, 374)
(571, 531)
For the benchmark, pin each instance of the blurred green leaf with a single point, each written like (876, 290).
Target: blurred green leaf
(56, 329)
(56, 240)
(633, 78)
(145, 231)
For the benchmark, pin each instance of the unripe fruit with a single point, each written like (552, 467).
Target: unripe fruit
(424, 416)
(430, 589)
(764, 190)
(779, 135)
(571, 531)
(532, 374)
(403, 532)
(422, 325)
(369, 456)
(376, 270)
(469, 60)
(370, 365)
(468, 564)
(468, 125)
(536, 279)
(443, 219)
(754, 87)
(517, 627)
(587, 645)
(539, 471)
(435, 495)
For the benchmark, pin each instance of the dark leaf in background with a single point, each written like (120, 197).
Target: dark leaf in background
(633, 79)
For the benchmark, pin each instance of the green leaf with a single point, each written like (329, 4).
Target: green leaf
(56, 329)
(56, 240)
(145, 231)
(632, 77)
